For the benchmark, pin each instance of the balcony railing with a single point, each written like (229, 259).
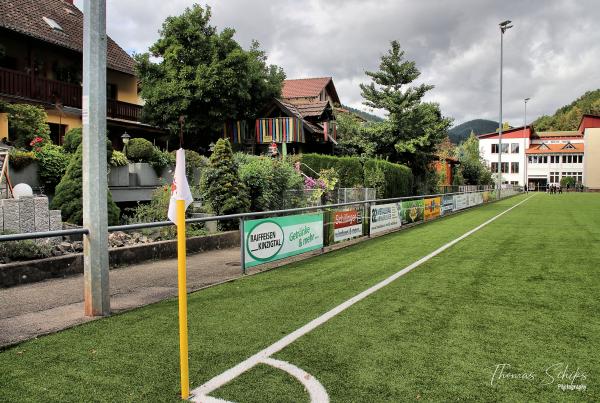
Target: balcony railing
(17, 84)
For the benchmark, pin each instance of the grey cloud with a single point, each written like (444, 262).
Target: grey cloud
(550, 54)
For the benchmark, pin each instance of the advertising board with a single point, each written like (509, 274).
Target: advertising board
(270, 239)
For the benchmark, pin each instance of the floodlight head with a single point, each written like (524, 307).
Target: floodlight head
(505, 23)
(527, 99)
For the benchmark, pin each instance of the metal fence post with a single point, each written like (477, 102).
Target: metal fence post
(242, 246)
(95, 214)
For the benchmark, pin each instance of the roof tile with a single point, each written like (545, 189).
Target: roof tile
(26, 17)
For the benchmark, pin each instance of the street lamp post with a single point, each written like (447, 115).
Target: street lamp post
(505, 25)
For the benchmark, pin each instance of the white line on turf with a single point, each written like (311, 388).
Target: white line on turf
(200, 394)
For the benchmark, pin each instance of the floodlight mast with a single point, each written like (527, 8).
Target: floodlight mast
(503, 27)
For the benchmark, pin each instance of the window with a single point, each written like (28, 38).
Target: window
(530, 159)
(554, 177)
(111, 91)
(554, 159)
(514, 182)
(504, 168)
(514, 148)
(564, 159)
(494, 148)
(53, 24)
(514, 167)
(544, 159)
(57, 132)
(580, 159)
(504, 148)
(494, 167)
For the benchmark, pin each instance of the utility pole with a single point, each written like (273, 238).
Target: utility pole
(95, 212)
(503, 27)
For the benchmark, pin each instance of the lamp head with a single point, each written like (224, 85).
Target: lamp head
(125, 138)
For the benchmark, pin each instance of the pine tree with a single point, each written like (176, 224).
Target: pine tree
(221, 185)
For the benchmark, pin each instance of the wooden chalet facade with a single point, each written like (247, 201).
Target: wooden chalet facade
(41, 44)
(302, 120)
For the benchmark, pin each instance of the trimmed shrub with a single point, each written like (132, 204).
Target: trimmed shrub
(398, 178)
(52, 165)
(350, 169)
(72, 140)
(69, 193)
(140, 150)
(26, 122)
(221, 185)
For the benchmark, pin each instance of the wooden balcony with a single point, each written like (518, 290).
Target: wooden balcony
(27, 87)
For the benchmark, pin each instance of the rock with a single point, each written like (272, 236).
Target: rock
(57, 252)
(144, 239)
(78, 246)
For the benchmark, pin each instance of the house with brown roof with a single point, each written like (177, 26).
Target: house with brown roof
(301, 120)
(41, 45)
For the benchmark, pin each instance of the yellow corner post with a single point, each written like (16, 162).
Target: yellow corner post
(183, 323)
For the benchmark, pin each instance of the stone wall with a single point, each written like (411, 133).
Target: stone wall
(28, 214)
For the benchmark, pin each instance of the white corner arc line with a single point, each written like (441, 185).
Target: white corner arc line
(315, 390)
(218, 381)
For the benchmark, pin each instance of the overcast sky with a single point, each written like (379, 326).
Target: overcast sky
(551, 55)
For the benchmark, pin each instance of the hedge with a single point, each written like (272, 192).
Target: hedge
(350, 169)
(352, 172)
(398, 178)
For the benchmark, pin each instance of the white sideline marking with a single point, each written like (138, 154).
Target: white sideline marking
(200, 394)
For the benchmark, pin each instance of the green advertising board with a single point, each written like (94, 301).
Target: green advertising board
(412, 211)
(270, 239)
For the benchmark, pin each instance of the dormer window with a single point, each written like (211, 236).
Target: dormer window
(569, 146)
(53, 24)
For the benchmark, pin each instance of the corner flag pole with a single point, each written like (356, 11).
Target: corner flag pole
(181, 198)
(183, 322)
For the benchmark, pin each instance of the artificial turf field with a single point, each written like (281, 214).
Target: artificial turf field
(524, 291)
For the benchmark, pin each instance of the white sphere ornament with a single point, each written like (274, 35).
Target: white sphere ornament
(22, 190)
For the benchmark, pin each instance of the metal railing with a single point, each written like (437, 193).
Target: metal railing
(239, 216)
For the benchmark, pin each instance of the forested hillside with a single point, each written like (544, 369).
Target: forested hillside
(569, 116)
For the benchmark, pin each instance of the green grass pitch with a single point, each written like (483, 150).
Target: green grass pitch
(523, 291)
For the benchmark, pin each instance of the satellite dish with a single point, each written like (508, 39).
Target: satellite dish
(22, 190)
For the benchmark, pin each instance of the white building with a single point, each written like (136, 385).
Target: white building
(540, 159)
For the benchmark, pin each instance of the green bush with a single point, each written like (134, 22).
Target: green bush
(72, 140)
(20, 158)
(567, 181)
(26, 122)
(23, 250)
(140, 150)
(398, 178)
(221, 186)
(68, 197)
(257, 175)
(161, 159)
(52, 165)
(193, 161)
(118, 159)
(350, 169)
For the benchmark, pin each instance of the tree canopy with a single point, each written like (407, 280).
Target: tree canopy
(413, 128)
(569, 116)
(194, 71)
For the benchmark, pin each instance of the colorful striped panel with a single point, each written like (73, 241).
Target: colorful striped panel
(279, 130)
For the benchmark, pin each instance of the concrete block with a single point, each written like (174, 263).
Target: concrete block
(26, 214)
(42, 220)
(55, 224)
(10, 208)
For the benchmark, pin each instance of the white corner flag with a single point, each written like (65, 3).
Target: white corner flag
(180, 190)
